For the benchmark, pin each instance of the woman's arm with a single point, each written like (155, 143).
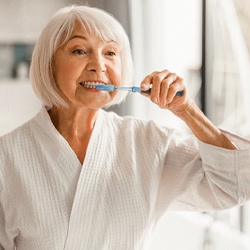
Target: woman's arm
(163, 93)
(203, 128)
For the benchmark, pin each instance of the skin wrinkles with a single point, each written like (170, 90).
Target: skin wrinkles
(83, 58)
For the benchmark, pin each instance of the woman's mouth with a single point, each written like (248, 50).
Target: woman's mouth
(90, 85)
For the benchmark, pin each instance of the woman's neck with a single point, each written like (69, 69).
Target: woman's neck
(73, 122)
(75, 126)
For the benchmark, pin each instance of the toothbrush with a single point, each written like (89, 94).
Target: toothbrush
(134, 89)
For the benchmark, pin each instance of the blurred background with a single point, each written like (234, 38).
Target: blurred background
(206, 42)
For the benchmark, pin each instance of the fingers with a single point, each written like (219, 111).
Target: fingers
(164, 86)
(167, 91)
(174, 87)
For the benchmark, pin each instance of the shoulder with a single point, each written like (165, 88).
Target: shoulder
(130, 122)
(17, 141)
(137, 128)
(20, 132)
(13, 148)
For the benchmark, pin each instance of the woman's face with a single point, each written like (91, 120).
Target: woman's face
(85, 60)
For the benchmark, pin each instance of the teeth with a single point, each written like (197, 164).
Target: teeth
(90, 85)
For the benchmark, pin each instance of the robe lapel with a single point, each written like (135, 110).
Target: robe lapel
(109, 208)
(89, 187)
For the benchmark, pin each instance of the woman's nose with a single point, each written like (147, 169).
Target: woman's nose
(96, 64)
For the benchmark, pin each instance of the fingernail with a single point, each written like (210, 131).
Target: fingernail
(155, 99)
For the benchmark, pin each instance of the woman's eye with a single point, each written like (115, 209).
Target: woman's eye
(111, 53)
(79, 52)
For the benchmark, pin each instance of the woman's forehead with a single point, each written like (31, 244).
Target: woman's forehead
(79, 29)
(88, 31)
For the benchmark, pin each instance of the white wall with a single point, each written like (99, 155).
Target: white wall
(23, 20)
(18, 104)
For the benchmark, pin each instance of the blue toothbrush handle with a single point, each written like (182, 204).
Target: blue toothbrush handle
(179, 93)
(134, 89)
(138, 89)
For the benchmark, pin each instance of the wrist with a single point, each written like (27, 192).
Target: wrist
(184, 111)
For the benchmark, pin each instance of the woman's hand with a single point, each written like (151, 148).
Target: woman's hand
(164, 86)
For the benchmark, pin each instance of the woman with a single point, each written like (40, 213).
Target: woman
(78, 177)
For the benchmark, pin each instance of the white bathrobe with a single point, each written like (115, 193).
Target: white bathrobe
(132, 173)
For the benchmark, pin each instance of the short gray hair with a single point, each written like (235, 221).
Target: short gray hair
(57, 31)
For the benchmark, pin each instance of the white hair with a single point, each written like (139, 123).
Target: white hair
(57, 31)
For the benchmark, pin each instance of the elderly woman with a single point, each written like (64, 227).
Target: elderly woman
(78, 177)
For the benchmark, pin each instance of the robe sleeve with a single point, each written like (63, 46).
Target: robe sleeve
(201, 177)
(6, 240)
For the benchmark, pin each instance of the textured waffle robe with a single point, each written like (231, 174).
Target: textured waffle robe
(133, 172)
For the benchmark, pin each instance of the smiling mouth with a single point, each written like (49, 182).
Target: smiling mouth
(90, 85)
